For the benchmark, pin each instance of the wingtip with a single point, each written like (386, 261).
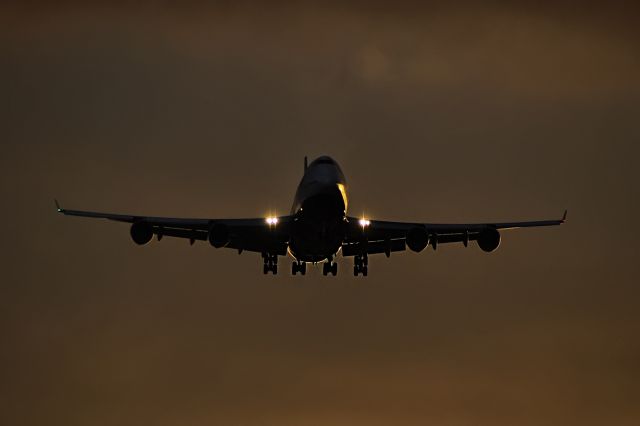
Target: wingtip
(60, 210)
(564, 216)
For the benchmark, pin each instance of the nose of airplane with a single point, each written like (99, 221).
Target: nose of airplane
(324, 159)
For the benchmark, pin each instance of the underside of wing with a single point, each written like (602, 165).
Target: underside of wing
(263, 235)
(374, 236)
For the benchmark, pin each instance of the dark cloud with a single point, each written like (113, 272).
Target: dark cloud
(440, 113)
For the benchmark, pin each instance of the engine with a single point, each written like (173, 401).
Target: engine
(218, 235)
(417, 239)
(141, 233)
(489, 239)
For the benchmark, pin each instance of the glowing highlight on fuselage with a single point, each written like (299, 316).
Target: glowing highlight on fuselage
(343, 192)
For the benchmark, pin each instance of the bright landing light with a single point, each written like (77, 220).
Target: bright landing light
(271, 220)
(365, 222)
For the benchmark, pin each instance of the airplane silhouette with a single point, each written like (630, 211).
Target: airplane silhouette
(317, 229)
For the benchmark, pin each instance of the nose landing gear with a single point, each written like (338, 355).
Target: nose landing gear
(298, 267)
(270, 263)
(360, 265)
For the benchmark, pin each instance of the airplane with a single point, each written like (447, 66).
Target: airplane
(317, 229)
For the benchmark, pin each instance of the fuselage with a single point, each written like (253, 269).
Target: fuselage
(320, 210)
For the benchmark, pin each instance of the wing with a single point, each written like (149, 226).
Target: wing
(256, 234)
(376, 236)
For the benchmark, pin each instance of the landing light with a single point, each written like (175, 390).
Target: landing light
(272, 221)
(365, 222)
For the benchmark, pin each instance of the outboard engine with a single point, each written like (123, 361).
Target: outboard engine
(219, 235)
(141, 232)
(489, 239)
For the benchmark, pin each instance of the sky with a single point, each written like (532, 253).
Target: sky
(436, 112)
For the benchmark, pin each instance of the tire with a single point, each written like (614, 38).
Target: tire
(303, 268)
(334, 269)
(365, 270)
(274, 269)
(265, 269)
(355, 271)
(294, 268)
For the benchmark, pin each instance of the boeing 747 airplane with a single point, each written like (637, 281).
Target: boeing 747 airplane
(317, 229)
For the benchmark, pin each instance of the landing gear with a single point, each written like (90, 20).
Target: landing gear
(360, 265)
(270, 263)
(298, 267)
(330, 267)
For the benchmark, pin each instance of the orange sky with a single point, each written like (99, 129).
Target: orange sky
(436, 113)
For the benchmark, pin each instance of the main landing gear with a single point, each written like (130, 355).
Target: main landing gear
(330, 267)
(360, 265)
(270, 263)
(298, 267)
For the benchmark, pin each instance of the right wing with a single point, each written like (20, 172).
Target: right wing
(255, 234)
(378, 236)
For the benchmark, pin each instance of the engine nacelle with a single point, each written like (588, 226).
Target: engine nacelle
(489, 239)
(141, 233)
(219, 235)
(417, 239)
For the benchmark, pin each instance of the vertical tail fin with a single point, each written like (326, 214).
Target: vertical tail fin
(305, 163)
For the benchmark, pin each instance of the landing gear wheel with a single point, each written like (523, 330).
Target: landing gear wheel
(270, 263)
(360, 263)
(330, 268)
(300, 267)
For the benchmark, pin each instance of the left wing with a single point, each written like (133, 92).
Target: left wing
(254, 234)
(376, 236)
